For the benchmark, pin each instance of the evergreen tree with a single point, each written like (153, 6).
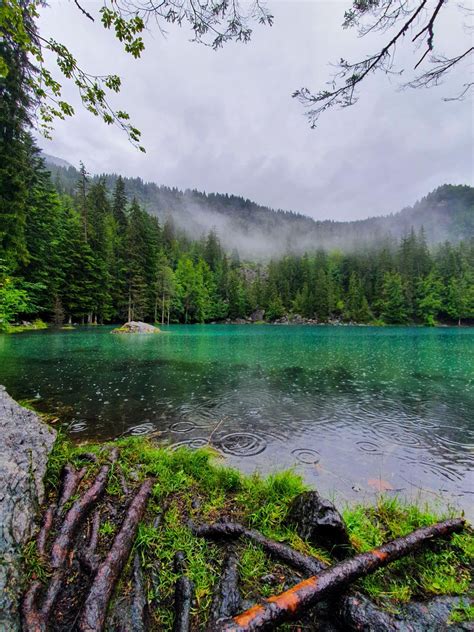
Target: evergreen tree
(393, 307)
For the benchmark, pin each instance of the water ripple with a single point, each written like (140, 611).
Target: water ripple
(306, 455)
(241, 444)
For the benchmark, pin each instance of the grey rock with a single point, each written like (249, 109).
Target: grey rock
(257, 315)
(136, 327)
(359, 613)
(24, 450)
(318, 521)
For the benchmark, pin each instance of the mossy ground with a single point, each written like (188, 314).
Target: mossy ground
(192, 485)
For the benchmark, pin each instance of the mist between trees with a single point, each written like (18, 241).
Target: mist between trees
(94, 256)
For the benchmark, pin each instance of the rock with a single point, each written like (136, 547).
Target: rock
(257, 315)
(359, 613)
(297, 319)
(318, 521)
(136, 327)
(24, 450)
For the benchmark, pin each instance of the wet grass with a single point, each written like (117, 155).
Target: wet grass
(192, 485)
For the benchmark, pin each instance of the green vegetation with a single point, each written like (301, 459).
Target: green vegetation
(91, 255)
(191, 485)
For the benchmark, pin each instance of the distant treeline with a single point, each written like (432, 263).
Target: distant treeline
(93, 256)
(259, 232)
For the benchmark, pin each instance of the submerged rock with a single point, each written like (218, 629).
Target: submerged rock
(24, 450)
(318, 521)
(359, 613)
(136, 327)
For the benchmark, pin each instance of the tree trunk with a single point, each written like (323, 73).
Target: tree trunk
(163, 309)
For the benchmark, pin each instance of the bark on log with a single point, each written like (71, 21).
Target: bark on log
(75, 516)
(70, 479)
(139, 609)
(32, 619)
(183, 600)
(304, 563)
(293, 602)
(88, 557)
(95, 607)
(45, 530)
(227, 599)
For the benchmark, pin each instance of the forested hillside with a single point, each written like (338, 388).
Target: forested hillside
(75, 248)
(93, 255)
(259, 232)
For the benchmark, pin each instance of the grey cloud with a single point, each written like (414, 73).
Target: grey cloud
(224, 121)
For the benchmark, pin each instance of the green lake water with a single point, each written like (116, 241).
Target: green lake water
(353, 409)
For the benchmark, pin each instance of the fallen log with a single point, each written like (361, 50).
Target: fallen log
(70, 479)
(304, 563)
(45, 530)
(93, 615)
(293, 602)
(227, 599)
(75, 516)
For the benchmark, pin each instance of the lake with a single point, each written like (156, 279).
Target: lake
(355, 410)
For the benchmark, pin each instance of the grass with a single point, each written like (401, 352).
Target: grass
(192, 485)
(15, 329)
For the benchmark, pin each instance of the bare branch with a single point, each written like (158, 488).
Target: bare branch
(88, 15)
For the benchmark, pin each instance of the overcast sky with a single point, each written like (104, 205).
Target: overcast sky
(225, 121)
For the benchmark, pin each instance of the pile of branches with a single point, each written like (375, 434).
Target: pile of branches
(68, 543)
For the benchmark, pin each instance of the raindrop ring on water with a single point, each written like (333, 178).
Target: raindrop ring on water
(194, 444)
(241, 444)
(368, 446)
(306, 455)
(142, 429)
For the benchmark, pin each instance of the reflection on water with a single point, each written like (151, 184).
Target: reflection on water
(344, 406)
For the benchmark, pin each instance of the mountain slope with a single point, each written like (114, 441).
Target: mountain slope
(258, 231)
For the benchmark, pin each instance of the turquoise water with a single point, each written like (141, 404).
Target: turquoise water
(353, 409)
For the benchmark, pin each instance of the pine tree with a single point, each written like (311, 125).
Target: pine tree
(393, 306)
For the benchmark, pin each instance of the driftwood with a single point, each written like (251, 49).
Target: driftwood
(45, 530)
(95, 607)
(293, 602)
(70, 479)
(75, 516)
(227, 599)
(228, 530)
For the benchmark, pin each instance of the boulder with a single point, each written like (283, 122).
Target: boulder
(359, 613)
(318, 521)
(136, 327)
(257, 315)
(24, 450)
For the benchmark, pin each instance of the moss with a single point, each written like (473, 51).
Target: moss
(193, 485)
(462, 613)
